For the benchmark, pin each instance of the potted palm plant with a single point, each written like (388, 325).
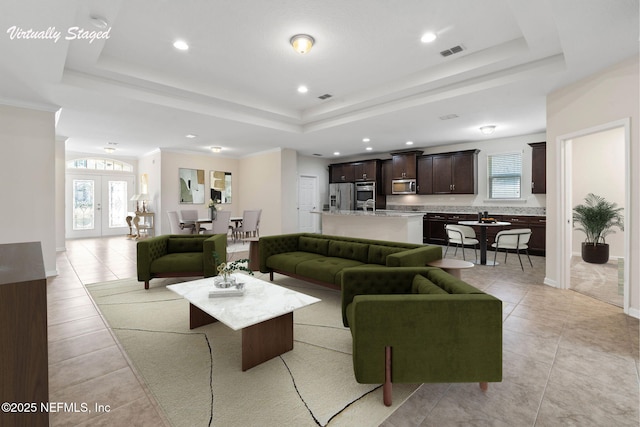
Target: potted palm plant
(596, 218)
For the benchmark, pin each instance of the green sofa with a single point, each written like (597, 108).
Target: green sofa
(179, 255)
(322, 259)
(420, 325)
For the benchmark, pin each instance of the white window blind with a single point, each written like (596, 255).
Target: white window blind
(505, 175)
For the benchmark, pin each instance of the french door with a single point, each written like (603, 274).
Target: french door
(98, 205)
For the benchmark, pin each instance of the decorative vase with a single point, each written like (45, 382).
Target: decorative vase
(224, 281)
(212, 213)
(595, 254)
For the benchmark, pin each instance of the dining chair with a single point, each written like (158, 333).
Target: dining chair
(174, 224)
(189, 217)
(516, 239)
(221, 224)
(462, 235)
(250, 224)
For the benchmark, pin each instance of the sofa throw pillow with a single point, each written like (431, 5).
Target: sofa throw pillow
(378, 253)
(422, 285)
(313, 245)
(349, 250)
(184, 244)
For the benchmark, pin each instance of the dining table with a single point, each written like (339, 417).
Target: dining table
(483, 238)
(237, 221)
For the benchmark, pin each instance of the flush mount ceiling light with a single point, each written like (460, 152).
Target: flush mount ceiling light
(428, 37)
(190, 136)
(487, 130)
(181, 45)
(366, 139)
(302, 43)
(216, 149)
(109, 149)
(303, 89)
(409, 143)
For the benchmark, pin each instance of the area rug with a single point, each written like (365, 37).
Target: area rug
(196, 377)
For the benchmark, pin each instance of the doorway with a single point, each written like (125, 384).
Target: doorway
(308, 197)
(582, 155)
(97, 205)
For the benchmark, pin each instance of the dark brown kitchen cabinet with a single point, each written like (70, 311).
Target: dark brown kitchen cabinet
(387, 176)
(342, 172)
(404, 165)
(436, 233)
(425, 175)
(538, 167)
(367, 170)
(455, 173)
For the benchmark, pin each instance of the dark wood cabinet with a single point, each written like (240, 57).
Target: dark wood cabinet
(368, 170)
(455, 173)
(425, 175)
(538, 167)
(404, 165)
(387, 176)
(537, 224)
(342, 172)
(436, 233)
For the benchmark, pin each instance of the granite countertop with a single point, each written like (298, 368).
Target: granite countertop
(378, 213)
(493, 210)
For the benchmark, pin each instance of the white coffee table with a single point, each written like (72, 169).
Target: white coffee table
(264, 314)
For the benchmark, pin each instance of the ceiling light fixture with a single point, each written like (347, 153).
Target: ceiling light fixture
(336, 153)
(216, 149)
(181, 45)
(428, 37)
(190, 136)
(303, 89)
(409, 143)
(109, 149)
(366, 139)
(302, 43)
(487, 130)
(369, 148)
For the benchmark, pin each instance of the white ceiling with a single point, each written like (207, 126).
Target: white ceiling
(236, 85)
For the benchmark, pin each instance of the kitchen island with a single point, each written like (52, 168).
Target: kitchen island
(382, 225)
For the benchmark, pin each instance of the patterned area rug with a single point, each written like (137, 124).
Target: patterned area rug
(196, 377)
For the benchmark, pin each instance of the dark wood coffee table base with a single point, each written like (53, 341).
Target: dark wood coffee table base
(260, 342)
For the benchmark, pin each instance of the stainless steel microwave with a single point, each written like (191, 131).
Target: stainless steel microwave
(403, 186)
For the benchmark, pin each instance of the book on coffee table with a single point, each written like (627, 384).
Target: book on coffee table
(226, 292)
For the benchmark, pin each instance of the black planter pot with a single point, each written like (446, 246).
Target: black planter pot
(598, 254)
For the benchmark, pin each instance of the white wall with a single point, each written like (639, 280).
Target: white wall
(28, 189)
(60, 178)
(602, 151)
(605, 97)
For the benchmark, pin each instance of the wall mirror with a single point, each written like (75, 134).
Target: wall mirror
(220, 186)
(191, 185)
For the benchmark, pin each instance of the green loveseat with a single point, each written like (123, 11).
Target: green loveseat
(179, 255)
(420, 325)
(322, 259)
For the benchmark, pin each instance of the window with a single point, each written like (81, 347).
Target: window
(505, 175)
(99, 164)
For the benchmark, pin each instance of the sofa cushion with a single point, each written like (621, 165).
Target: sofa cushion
(422, 285)
(451, 284)
(185, 262)
(348, 250)
(325, 269)
(378, 253)
(181, 245)
(313, 245)
(289, 260)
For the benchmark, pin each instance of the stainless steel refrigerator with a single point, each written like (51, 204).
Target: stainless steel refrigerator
(342, 197)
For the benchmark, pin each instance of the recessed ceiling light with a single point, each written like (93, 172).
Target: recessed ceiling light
(409, 143)
(109, 149)
(366, 139)
(303, 89)
(190, 136)
(428, 37)
(181, 45)
(369, 148)
(487, 130)
(336, 153)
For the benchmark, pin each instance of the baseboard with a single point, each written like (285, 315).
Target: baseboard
(51, 273)
(550, 282)
(634, 312)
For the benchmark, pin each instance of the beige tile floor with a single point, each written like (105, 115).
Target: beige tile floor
(568, 359)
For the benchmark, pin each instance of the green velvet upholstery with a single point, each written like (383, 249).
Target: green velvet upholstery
(450, 336)
(322, 258)
(179, 256)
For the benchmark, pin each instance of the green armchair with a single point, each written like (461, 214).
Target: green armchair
(420, 325)
(178, 255)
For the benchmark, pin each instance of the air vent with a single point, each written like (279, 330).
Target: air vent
(317, 155)
(449, 117)
(451, 51)
(325, 96)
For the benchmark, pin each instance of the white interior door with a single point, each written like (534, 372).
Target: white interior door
(308, 201)
(98, 205)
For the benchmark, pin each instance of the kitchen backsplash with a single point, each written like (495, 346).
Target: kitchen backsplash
(495, 210)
